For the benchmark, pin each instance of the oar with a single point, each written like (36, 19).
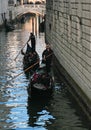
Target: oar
(22, 72)
(26, 69)
(12, 68)
(19, 52)
(48, 55)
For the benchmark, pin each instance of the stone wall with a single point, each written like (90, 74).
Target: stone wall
(68, 30)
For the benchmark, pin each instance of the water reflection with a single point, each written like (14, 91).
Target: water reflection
(17, 111)
(38, 113)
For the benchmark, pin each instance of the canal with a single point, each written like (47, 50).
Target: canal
(17, 112)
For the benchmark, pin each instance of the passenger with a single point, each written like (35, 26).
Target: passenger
(35, 60)
(29, 57)
(34, 56)
(47, 57)
(45, 79)
(35, 77)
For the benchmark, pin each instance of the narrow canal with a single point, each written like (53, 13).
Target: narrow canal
(61, 112)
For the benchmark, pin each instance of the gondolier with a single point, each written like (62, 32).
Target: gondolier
(33, 41)
(47, 57)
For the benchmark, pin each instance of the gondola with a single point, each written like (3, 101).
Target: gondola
(9, 27)
(30, 60)
(41, 84)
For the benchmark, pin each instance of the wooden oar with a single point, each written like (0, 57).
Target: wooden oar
(12, 68)
(19, 52)
(22, 72)
(26, 69)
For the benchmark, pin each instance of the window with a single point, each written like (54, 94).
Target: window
(11, 2)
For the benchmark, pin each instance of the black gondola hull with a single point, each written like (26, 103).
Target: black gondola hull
(41, 89)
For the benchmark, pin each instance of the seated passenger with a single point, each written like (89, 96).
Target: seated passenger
(45, 80)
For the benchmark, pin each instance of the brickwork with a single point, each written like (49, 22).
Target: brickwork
(68, 30)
